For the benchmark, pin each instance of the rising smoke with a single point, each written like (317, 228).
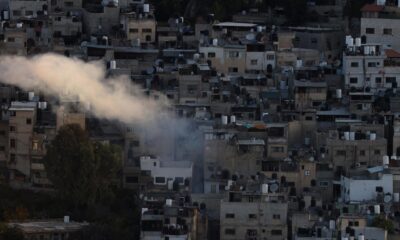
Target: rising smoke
(109, 98)
(114, 98)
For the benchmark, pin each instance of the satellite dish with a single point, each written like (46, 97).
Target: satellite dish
(273, 187)
(387, 198)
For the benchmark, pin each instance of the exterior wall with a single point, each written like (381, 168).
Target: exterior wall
(64, 118)
(265, 222)
(305, 99)
(67, 26)
(20, 141)
(225, 59)
(156, 168)
(378, 37)
(365, 190)
(259, 61)
(143, 29)
(21, 9)
(106, 19)
(193, 90)
(346, 153)
(15, 42)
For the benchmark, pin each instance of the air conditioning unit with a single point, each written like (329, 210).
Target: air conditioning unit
(358, 165)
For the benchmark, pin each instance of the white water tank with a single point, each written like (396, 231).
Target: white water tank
(347, 136)
(113, 64)
(396, 197)
(233, 119)
(299, 63)
(6, 15)
(42, 105)
(393, 157)
(170, 184)
(347, 41)
(352, 136)
(377, 209)
(146, 8)
(264, 188)
(381, 2)
(372, 50)
(367, 50)
(345, 238)
(372, 136)
(385, 160)
(66, 219)
(332, 225)
(361, 236)
(196, 56)
(351, 42)
(19, 25)
(168, 202)
(358, 42)
(215, 42)
(338, 93)
(31, 95)
(224, 120)
(307, 141)
(259, 28)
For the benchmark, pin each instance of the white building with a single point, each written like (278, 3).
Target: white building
(370, 66)
(367, 187)
(166, 172)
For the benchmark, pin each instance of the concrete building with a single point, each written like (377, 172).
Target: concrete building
(21, 122)
(167, 173)
(309, 94)
(253, 215)
(139, 27)
(368, 187)
(379, 24)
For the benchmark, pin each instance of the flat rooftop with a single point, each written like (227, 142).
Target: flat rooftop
(49, 226)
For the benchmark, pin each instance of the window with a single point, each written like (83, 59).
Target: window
(230, 215)
(340, 153)
(372, 64)
(160, 179)
(354, 64)
(155, 164)
(69, 4)
(378, 79)
(146, 30)
(12, 143)
(179, 180)
(387, 31)
(12, 158)
(230, 231)
(277, 149)
(253, 62)
(270, 57)
(252, 216)
(133, 30)
(377, 152)
(309, 118)
(276, 232)
(28, 13)
(12, 128)
(131, 179)
(211, 55)
(191, 88)
(307, 173)
(323, 183)
(362, 152)
(353, 80)
(276, 216)
(390, 79)
(370, 30)
(233, 54)
(10, 39)
(233, 69)
(29, 121)
(17, 13)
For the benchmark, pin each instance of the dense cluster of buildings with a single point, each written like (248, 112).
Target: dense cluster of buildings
(298, 127)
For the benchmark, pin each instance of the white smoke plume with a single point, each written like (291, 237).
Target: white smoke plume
(109, 98)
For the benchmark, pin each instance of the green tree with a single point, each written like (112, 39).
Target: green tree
(80, 170)
(382, 222)
(9, 233)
